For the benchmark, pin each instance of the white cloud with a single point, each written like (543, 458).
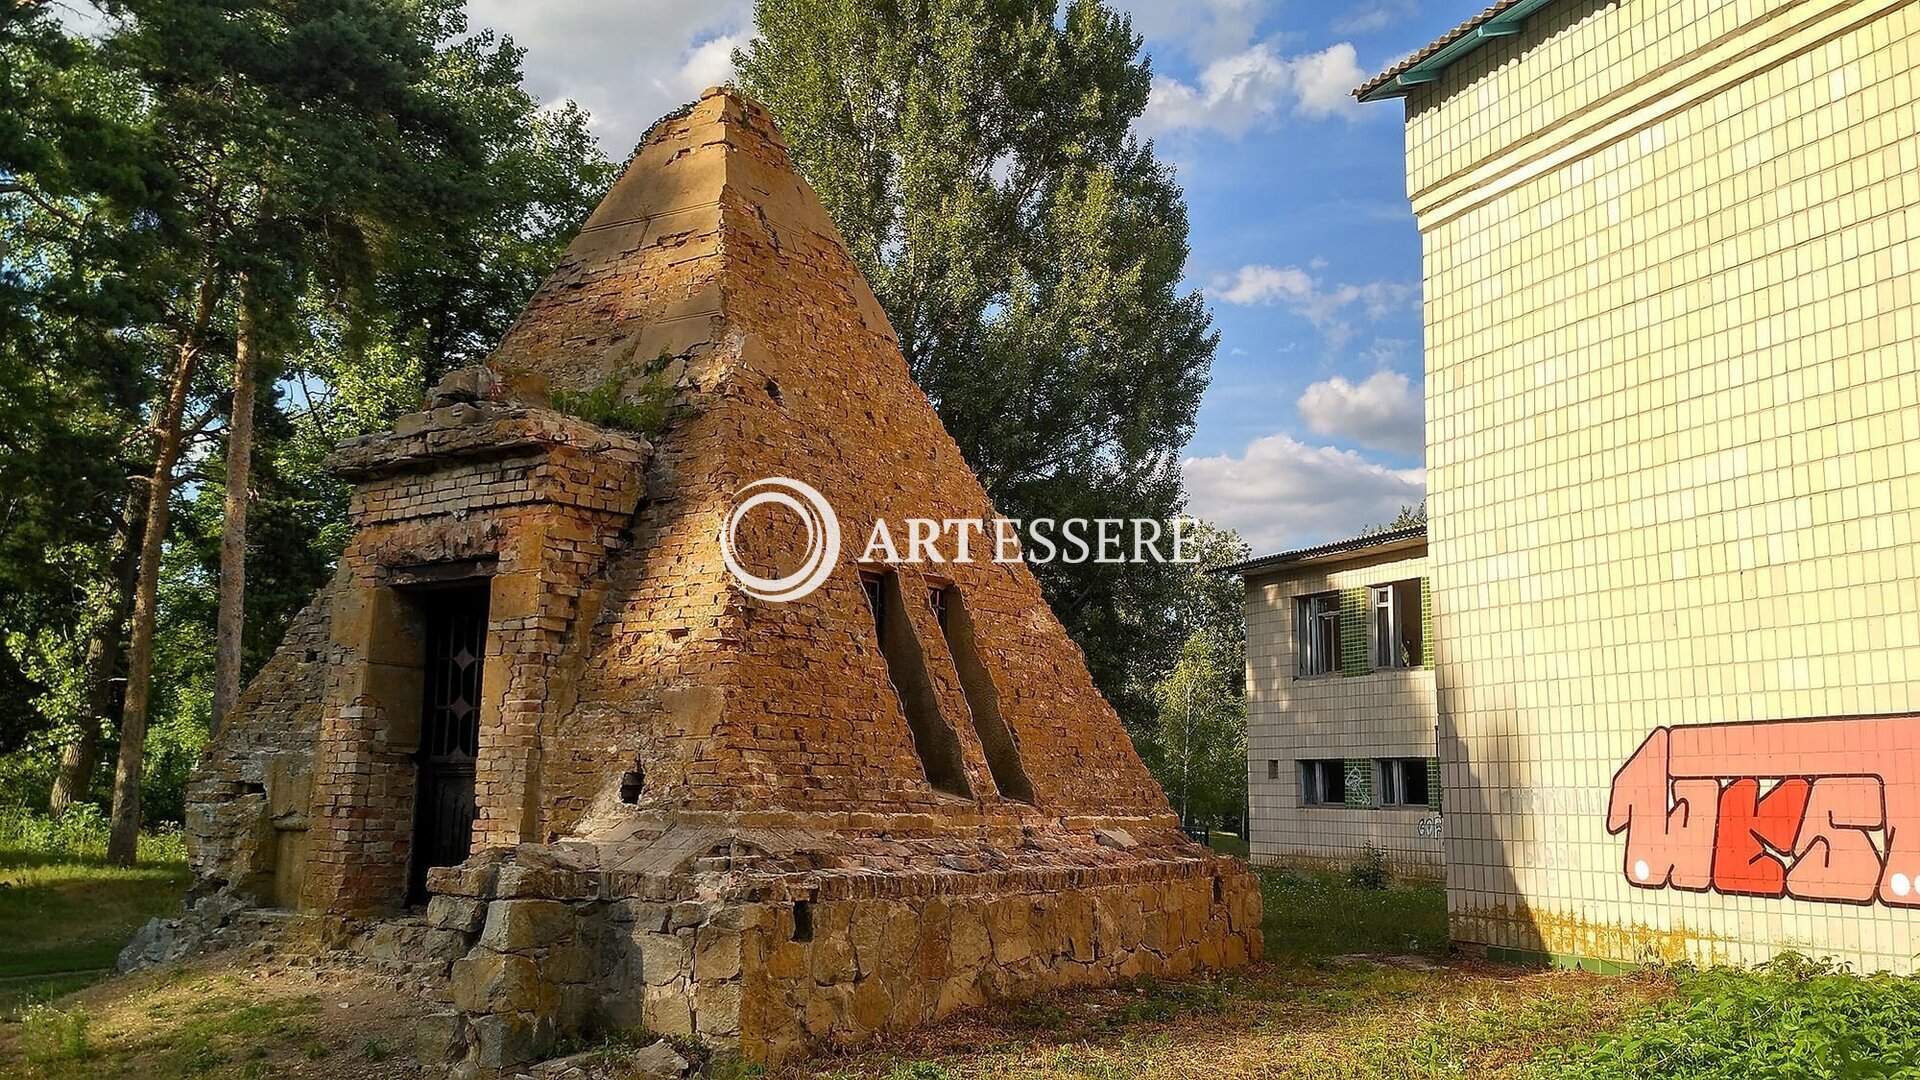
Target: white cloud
(1373, 16)
(1324, 81)
(1325, 306)
(1384, 411)
(1259, 284)
(1255, 88)
(1204, 30)
(1282, 493)
(627, 62)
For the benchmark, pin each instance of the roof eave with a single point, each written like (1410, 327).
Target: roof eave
(1427, 69)
(1358, 547)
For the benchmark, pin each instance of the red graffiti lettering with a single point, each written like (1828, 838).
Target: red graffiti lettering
(1835, 859)
(1690, 802)
(1669, 842)
(1749, 825)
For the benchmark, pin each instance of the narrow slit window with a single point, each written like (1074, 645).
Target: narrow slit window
(983, 700)
(933, 738)
(876, 600)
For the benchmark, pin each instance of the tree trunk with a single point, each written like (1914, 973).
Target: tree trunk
(123, 842)
(231, 620)
(104, 646)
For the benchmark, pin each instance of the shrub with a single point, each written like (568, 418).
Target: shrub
(610, 405)
(48, 1034)
(1790, 1017)
(1371, 871)
(80, 833)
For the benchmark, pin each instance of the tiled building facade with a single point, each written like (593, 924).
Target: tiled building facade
(1340, 705)
(1673, 421)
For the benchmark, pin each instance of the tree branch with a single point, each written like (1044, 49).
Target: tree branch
(16, 187)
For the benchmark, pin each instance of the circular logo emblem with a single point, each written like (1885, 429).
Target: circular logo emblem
(823, 538)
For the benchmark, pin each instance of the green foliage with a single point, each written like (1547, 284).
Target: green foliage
(625, 401)
(1408, 517)
(1322, 915)
(50, 1035)
(978, 158)
(70, 384)
(80, 834)
(1791, 1017)
(1198, 745)
(1371, 871)
(393, 193)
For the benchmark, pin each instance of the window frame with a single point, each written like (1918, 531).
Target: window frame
(1392, 778)
(1313, 774)
(1390, 617)
(1316, 611)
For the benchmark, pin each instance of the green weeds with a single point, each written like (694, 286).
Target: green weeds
(1793, 1017)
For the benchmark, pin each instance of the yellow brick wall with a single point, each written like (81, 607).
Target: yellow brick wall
(1293, 718)
(1673, 416)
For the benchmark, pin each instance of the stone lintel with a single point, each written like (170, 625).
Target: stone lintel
(478, 431)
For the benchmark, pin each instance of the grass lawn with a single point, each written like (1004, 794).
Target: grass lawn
(1358, 983)
(66, 916)
(1227, 843)
(231, 1020)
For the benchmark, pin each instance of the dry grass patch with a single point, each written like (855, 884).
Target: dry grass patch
(1361, 1017)
(212, 1020)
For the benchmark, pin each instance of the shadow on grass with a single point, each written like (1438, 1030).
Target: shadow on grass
(67, 917)
(1319, 914)
(1313, 1009)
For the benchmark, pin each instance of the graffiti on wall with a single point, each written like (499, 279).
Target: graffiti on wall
(1813, 809)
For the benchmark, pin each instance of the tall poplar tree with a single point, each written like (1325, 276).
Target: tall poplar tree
(978, 157)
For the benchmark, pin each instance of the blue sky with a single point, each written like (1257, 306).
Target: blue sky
(1301, 236)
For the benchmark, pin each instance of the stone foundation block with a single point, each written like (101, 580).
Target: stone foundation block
(515, 925)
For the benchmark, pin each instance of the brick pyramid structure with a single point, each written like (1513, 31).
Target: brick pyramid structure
(535, 700)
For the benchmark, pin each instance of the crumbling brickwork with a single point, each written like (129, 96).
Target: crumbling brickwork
(663, 759)
(247, 803)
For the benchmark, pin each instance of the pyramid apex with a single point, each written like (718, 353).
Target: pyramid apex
(709, 185)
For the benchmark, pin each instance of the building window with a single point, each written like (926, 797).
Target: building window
(1396, 624)
(1323, 783)
(1402, 781)
(1319, 619)
(1273, 768)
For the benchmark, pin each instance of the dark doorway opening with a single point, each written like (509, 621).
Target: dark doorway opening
(455, 619)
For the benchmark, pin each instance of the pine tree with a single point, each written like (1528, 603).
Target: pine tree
(978, 157)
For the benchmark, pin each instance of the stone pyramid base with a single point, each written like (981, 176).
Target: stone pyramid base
(770, 942)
